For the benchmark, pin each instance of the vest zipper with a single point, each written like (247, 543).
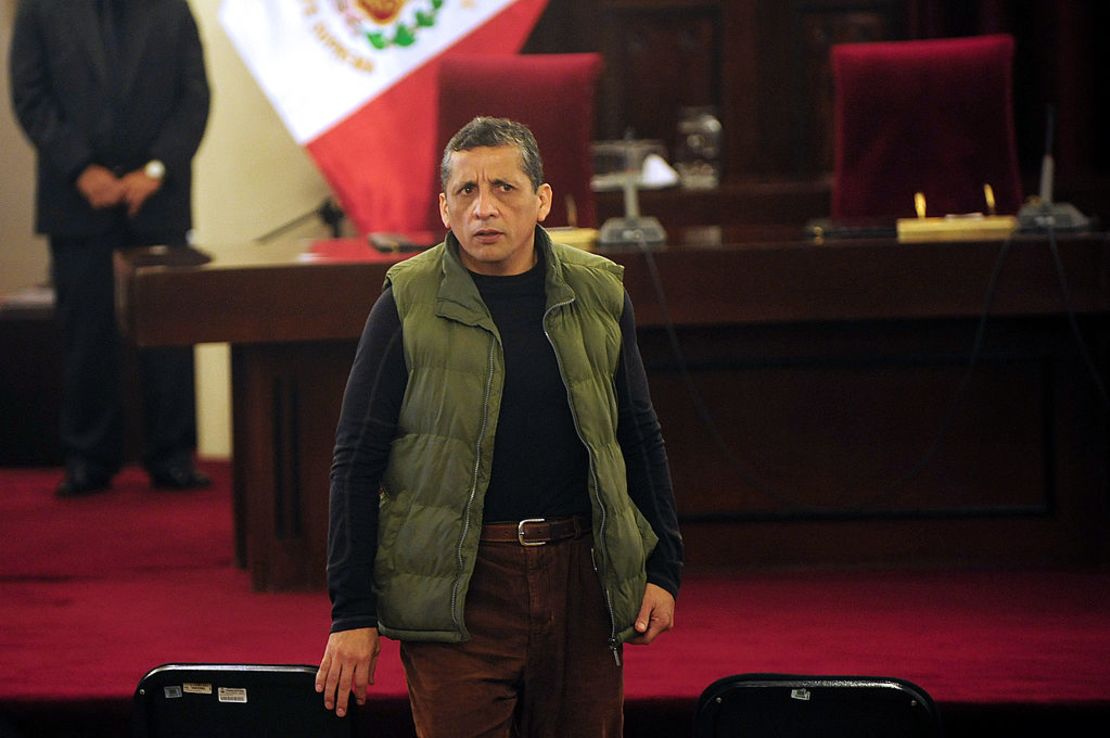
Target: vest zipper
(473, 486)
(614, 645)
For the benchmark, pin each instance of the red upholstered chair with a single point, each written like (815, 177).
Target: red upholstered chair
(553, 94)
(932, 116)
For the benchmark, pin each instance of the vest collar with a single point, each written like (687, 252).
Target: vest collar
(458, 297)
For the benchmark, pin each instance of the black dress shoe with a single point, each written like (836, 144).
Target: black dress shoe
(82, 480)
(178, 476)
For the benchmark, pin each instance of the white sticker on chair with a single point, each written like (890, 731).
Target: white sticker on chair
(232, 694)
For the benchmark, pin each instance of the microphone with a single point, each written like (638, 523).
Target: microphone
(1040, 213)
(1048, 162)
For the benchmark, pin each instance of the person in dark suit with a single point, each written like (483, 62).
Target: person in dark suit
(114, 97)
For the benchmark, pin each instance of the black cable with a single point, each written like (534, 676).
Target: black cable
(965, 381)
(1073, 322)
(695, 397)
(790, 505)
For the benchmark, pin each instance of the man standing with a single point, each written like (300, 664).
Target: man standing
(525, 527)
(114, 97)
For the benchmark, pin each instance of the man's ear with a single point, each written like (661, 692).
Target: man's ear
(544, 193)
(443, 210)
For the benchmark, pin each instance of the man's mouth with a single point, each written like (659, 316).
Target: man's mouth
(486, 235)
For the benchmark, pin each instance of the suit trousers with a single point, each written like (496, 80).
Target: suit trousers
(92, 405)
(538, 663)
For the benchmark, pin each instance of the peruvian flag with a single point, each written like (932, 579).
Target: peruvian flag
(354, 81)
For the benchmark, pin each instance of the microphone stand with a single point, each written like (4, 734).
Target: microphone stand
(328, 212)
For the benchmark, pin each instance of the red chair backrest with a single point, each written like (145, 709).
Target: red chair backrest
(932, 116)
(553, 94)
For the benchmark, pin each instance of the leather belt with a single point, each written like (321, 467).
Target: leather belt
(536, 531)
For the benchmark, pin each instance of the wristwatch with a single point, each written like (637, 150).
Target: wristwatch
(155, 169)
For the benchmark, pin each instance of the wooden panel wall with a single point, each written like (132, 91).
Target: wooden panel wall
(764, 64)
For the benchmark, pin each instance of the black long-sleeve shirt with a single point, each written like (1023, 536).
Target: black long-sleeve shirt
(539, 464)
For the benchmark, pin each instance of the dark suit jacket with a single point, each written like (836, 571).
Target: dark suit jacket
(77, 110)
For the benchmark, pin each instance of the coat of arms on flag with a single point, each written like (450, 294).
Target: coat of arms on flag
(354, 28)
(390, 22)
(354, 81)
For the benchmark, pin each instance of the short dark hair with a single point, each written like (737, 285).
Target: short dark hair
(486, 131)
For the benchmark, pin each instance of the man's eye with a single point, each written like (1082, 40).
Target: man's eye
(467, 189)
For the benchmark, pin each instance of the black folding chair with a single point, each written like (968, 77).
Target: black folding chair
(797, 706)
(233, 701)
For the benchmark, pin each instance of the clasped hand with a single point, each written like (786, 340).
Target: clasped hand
(103, 189)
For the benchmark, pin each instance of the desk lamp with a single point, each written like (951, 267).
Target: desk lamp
(629, 165)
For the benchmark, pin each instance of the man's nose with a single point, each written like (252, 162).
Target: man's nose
(485, 205)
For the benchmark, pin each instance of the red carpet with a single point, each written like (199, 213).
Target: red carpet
(129, 529)
(94, 592)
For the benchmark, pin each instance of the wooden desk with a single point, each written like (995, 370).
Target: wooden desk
(30, 379)
(829, 371)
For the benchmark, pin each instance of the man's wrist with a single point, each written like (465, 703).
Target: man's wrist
(80, 170)
(354, 623)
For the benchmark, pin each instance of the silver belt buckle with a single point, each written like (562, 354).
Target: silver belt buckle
(520, 532)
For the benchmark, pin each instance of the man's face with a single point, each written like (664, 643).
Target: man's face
(492, 209)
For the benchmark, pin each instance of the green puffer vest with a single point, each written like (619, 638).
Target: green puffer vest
(434, 485)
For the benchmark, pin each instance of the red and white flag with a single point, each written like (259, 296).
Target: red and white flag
(354, 81)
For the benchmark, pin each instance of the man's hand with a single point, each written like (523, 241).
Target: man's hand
(100, 187)
(348, 666)
(656, 615)
(137, 189)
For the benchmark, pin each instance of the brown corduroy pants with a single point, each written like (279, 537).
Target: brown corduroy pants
(538, 664)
